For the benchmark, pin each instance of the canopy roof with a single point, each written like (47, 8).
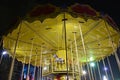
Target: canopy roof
(46, 36)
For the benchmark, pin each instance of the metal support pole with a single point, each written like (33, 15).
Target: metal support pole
(41, 64)
(94, 74)
(35, 67)
(78, 63)
(14, 54)
(91, 73)
(30, 59)
(1, 58)
(110, 69)
(23, 67)
(1, 41)
(0, 46)
(104, 67)
(65, 35)
(72, 63)
(113, 46)
(38, 74)
(84, 75)
(99, 71)
(85, 52)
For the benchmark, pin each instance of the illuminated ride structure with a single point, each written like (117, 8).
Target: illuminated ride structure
(62, 42)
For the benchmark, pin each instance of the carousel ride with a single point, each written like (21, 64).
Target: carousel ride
(62, 41)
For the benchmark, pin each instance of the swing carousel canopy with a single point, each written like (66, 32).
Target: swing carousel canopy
(42, 32)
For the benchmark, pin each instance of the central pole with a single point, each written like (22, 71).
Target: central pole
(64, 21)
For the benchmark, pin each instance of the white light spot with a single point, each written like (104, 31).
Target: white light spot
(4, 52)
(45, 68)
(92, 64)
(105, 78)
(91, 58)
(105, 68)
(84, 72)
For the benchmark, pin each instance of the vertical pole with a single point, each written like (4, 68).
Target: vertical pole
(65, 35)
(1, 58)
(35, 67)
(14, 53)
(30, 59)
(110, 69)
(88, 71)
(76, 49)
(72, 63)
(41, 64)
(1, 41)
(83, 44)
(23, 67)
(99, 71)
(94, 74)
(84, 75)
(38, 75)
(0, 46)
(104, 67)
(52, 64)
(91, 73)
(113, 46)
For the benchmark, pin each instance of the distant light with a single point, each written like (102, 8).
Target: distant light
(105, 68)
(45, 68)
(84, 72)
(25, 76)
(92, 64)
(4, 52)
(91, 58)
(105, 78)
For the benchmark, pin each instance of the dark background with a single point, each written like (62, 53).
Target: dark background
(12, 10)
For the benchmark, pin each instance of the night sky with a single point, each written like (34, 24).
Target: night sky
(12, 10)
